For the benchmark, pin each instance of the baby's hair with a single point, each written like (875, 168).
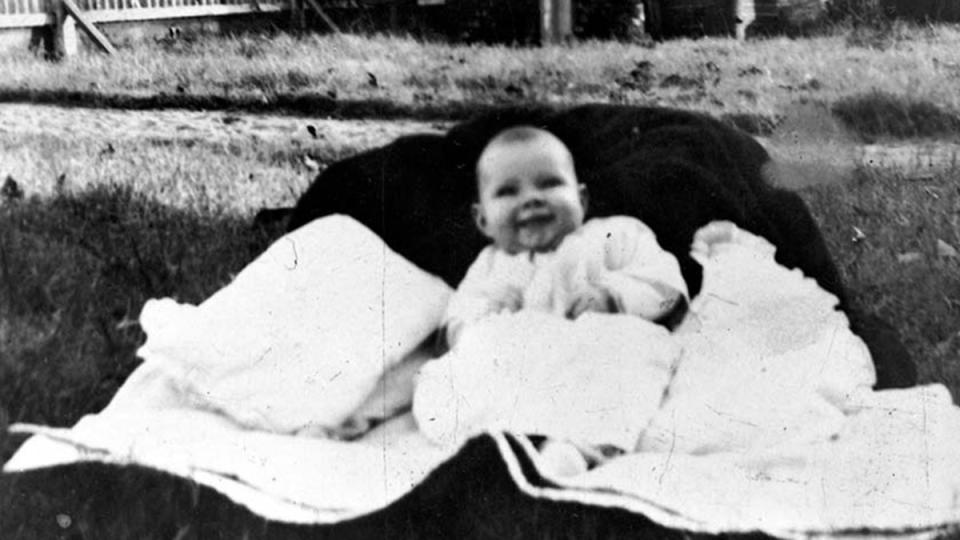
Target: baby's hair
(515, 134)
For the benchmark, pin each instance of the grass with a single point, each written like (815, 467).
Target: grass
(876, 115)
(896, 269)
(100, 233)
(915, 68)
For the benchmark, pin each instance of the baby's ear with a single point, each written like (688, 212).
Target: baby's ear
(584, 198)
(477, 212)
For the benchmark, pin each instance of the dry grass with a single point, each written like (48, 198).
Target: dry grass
(910, 64)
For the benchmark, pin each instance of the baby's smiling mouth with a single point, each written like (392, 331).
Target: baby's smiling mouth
(536, 231)
(535, 219)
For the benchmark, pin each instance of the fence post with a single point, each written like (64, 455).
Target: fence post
(556, 20)
(546, 22)
(563, 19)
(71, 42)
(744, 13)
(97, 37)
(65, 42)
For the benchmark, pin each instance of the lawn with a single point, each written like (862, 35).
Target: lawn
(907, 72)
(100, 232)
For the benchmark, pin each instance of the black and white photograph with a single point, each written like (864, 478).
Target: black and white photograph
(484, 269)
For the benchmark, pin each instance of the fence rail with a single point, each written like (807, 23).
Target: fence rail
(65, 15)
(31, 13)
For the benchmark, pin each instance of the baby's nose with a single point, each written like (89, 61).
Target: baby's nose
(533, 200)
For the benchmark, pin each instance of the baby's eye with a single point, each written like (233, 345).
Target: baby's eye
(550, 182)
(505, 191)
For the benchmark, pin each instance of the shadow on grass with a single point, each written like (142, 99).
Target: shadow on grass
(881, 114)
(870, 116)
(322, 105)
(295, 104)
(76, 269)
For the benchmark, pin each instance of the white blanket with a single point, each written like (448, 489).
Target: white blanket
(302, 334)
(768, 362)
(594, 381)
(758, 418)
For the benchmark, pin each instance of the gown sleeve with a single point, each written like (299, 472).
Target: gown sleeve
(640, 277)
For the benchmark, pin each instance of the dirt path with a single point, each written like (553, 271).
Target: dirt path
(214, 126)
(810, 148)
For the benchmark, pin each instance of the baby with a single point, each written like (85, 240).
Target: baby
(543, 256)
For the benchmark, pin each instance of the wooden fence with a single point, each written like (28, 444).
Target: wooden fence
(29, 13)
(64, 16)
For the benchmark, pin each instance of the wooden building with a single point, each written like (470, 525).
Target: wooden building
(697, 18)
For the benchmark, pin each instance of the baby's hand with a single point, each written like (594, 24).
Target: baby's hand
(712, 234)
(590, 299)
(712, 238)
(510, 299)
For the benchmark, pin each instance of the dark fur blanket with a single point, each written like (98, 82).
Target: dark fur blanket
(471, 496)
(674, 170)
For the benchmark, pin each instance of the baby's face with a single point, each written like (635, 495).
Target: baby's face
(529, 198)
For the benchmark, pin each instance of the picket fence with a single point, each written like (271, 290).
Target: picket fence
(31, 13)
